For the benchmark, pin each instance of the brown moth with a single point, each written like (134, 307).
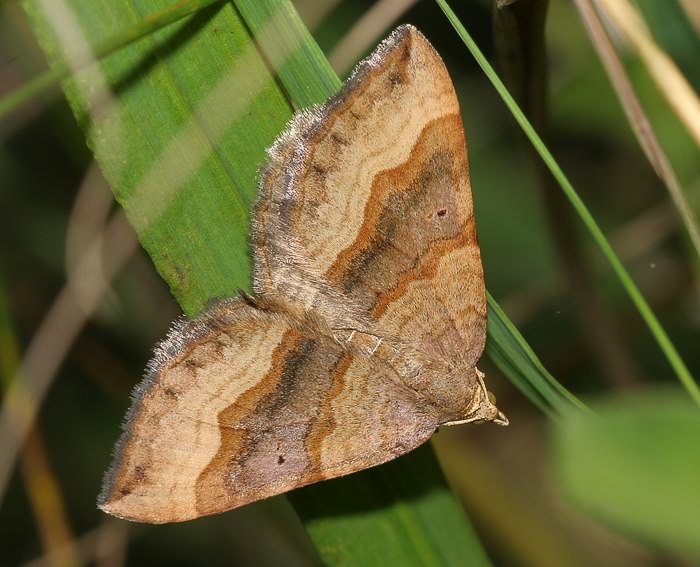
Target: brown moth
(368, 319)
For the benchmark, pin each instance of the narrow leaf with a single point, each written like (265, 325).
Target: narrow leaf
(511, 353)
(121, 39)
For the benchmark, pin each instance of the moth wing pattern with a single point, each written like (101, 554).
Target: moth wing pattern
(369, 197)
(368, 318)
(242, 404)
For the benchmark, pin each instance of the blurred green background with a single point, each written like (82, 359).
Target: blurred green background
(528, 489)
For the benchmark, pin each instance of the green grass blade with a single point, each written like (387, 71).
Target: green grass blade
(179, 122)
(397, 514)
(296, 58)
(121, 39)
(511, 353)
(628, 284)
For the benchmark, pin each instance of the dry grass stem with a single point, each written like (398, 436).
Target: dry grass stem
(663, 70)
(641, 125)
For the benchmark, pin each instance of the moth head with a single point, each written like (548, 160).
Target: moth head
(482, 406)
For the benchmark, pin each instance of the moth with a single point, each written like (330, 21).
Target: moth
(367, 320)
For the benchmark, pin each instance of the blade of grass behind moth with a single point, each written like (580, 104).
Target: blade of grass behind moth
(519, 30)
(291, 51)
(178, 122)
(664, 342)
(61, 71)
(407, 500)
(511, 353)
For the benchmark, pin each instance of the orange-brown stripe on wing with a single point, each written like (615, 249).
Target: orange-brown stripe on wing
(342, 201)
(271, 456)
(369, 417)
(215, 487)
(322, 168)
(327, 420)
(373, 128)
(172, 432)
(416, 266)
(330, 413)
